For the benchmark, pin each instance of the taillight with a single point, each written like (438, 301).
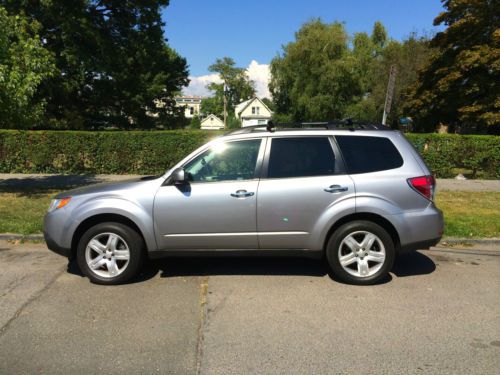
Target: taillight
(424, 185)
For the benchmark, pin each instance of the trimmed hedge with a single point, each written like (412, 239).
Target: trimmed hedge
(149, 152)
(448, 154)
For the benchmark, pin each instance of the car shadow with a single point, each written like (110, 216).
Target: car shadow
(412, 264)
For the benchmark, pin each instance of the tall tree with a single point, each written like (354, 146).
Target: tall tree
(112, 61)
(460, 86)
(24, 64)
(238, 87)
(314, 77)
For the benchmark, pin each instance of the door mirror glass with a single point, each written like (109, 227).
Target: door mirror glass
(179, 176)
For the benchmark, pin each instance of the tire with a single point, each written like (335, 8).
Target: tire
(115, 250)
(366, 261)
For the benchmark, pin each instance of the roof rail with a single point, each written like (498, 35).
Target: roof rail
(347, 124)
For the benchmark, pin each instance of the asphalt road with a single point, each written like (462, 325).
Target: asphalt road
(439, 312)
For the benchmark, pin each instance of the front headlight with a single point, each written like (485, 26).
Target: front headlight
(58, 203)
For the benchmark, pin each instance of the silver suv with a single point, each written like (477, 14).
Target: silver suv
(360, 196)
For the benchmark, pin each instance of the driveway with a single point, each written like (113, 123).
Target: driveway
(439, 312)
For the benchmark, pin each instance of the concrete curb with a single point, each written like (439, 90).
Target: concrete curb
(444, 241)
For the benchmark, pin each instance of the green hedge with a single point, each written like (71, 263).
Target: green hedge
(478, 156)
(145, 152)
(117, 152)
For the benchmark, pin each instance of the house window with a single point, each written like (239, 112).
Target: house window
(191, 110)
(255, 110)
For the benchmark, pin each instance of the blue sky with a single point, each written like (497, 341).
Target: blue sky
(203, 30)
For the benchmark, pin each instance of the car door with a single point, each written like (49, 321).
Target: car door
(216, 208)
(303, 185)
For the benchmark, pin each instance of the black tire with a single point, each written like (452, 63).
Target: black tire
(132, 240)
(333, 252)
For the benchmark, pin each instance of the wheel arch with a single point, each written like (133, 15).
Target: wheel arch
(102, 218)
(367, 216)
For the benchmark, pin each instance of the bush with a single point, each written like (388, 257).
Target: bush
(120, 152)
(146, 152)
(448, 154)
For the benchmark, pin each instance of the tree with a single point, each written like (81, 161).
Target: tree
(112, 62)
(24, 64)
(459, 86)
(408, 57)
(195, 123)
(238, 87)
(314, 77)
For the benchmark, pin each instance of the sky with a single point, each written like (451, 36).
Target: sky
(252, 32)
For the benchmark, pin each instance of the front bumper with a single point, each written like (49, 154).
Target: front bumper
(53, 233)
(55, 247)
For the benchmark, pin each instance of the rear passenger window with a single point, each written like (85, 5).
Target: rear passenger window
(301, 157)
(368, 154)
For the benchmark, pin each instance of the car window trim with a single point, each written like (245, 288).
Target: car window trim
(258, 162)
(336, 153)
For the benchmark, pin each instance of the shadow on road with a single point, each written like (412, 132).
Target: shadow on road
(412, 264)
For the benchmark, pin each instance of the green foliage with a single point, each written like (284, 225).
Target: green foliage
(24, 64)
(120, 152)
(322, 75)
(112, 63)
(238, 87)
(233, 122)
(195, 123)
(144, 152)
(447, 153)
(459, 86)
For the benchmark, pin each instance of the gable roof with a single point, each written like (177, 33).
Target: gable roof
(243, 105)
(211, 116)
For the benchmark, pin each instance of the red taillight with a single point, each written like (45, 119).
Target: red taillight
(424, 185)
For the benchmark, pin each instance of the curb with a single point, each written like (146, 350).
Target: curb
(14, 237)
(444, 241)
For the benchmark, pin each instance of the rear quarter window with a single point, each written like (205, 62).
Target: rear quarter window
(364, 154)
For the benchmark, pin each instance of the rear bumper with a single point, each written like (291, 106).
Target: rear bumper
(419, 229)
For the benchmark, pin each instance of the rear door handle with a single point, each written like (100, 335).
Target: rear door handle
(242, 194)
(336, 189)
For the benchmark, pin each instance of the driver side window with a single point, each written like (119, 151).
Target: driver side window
(225, 161)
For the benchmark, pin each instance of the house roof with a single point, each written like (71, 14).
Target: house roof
(243, 105)
(212, 116)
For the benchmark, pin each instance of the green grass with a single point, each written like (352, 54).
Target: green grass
(467, 214)
(470, 214)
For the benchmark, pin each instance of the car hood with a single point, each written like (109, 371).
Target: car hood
(108, 187)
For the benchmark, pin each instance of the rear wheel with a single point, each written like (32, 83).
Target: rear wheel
(110, 253)
(360, 253)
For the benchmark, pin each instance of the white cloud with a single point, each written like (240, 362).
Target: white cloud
(259, 73)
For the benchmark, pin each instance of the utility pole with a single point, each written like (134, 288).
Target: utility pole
(225, 105)
(389, 93)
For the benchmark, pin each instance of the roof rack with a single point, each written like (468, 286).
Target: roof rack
(348, 124)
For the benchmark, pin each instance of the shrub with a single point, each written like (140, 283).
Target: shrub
(120, 152)
(146, 152)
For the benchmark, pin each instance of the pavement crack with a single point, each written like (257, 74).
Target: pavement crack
(202, 322)
(33, 298)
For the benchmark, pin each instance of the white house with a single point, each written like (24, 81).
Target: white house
(212, 122)
(253, 112)
(191, 105)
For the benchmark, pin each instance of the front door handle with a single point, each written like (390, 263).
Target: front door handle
(336, 189)
(242, 194)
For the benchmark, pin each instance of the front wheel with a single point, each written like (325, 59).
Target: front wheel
(360, 253)
(110, 253)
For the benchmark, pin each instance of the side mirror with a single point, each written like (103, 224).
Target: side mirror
(179, 176)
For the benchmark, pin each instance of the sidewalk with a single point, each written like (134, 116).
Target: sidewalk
(58, 181)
